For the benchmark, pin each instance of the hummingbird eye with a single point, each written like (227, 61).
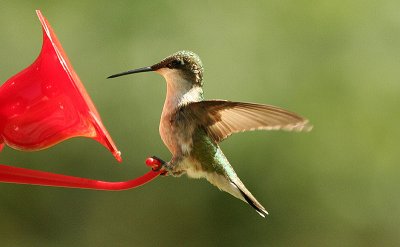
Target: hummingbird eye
(175, 64)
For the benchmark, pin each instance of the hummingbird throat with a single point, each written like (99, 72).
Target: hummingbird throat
(180, 89)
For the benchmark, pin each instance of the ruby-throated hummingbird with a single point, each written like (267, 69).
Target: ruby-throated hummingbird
(192, 127)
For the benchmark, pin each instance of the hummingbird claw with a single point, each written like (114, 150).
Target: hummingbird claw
(156, 164)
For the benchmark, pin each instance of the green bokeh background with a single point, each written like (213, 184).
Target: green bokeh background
(335, 62)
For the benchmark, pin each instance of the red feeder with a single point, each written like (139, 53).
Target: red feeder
(46, 103)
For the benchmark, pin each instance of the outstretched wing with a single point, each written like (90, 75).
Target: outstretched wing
(223, 118)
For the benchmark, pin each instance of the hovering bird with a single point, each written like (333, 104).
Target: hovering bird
(192, 127)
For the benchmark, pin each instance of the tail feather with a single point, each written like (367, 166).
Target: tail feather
(235, 187)
(250, 199)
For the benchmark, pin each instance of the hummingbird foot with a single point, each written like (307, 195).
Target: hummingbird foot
(170, 169)
(173, 172)
(173, 168)
(167, 168)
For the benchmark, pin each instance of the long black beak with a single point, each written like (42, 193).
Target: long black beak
(144, 69)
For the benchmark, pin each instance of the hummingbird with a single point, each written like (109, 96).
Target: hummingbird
(192, 127)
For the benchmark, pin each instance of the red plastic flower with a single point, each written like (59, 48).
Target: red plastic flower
(46, 103)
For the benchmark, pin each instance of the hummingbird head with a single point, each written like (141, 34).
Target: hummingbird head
(182, 67)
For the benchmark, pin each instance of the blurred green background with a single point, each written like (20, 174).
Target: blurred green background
(335, 62)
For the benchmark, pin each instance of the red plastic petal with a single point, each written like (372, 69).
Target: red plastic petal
(46, 103)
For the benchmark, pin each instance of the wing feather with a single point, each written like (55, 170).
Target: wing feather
(222, 118)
